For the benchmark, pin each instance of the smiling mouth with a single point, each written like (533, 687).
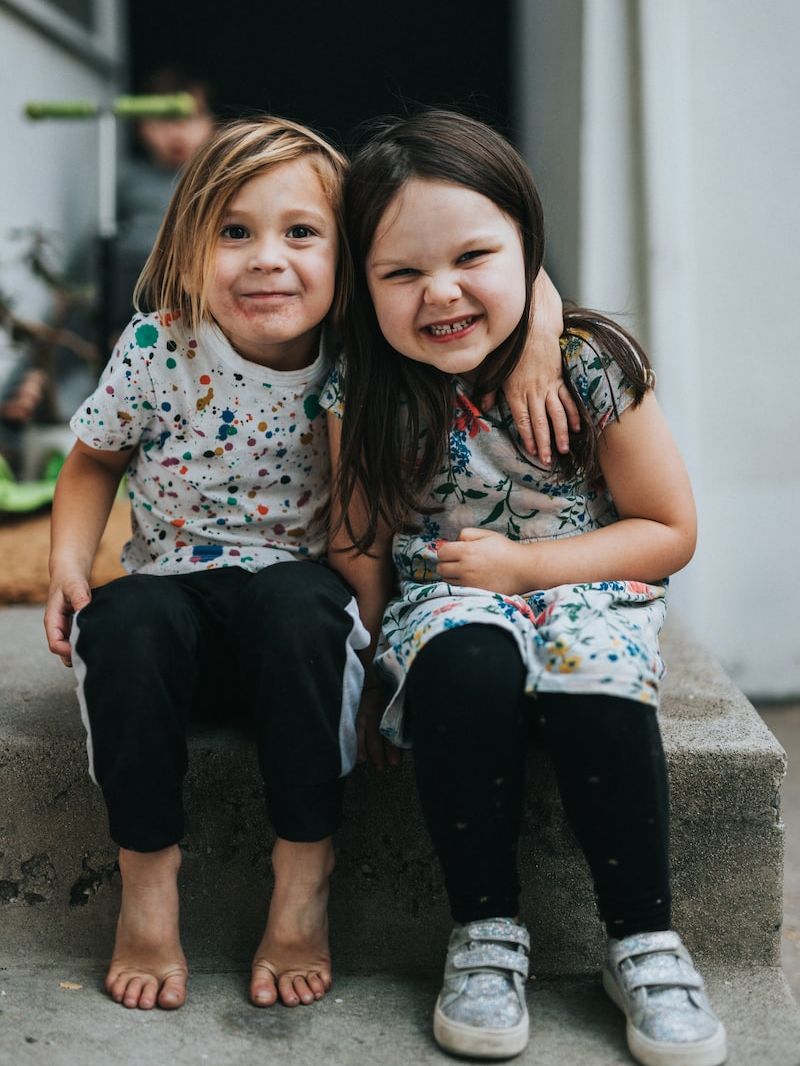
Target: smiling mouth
(451, 329)
(266, 295)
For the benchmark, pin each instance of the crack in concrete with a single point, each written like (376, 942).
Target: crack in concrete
(90, 881)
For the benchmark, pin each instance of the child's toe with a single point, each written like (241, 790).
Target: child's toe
(287, 990)
(173, 992)
(317, 985)
(132, 993)
(149, 994)
(263, 988)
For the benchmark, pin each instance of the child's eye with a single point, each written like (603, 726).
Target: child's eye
(476, 254)
(235, 232)
(402, 272)
(300, 232)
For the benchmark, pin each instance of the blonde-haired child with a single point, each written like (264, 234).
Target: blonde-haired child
(210, 408)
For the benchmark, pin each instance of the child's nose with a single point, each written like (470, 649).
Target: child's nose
(267, 254)
(441, 289)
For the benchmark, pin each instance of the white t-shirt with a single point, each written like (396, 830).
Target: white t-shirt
(231, 464)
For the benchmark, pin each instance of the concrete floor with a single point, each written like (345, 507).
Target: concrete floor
(784, 721)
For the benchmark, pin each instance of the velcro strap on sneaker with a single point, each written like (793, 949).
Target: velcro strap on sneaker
(647, 943)
(490, 957)
(678, 979)
(498, 932)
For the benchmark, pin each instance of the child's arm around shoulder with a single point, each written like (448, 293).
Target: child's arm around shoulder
(535, 390)
(84, 494)
(654, 537)
(371, 577)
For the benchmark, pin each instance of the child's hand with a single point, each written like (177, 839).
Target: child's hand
(481, 559)
(65, 598)
(372, 746)
(535, 389)
(539, 399)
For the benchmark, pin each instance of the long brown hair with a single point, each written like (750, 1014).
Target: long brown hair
(176, 275)
(398, 411)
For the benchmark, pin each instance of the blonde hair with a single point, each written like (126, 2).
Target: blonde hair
(176, 275)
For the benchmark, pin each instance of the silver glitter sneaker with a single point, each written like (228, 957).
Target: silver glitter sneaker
(481, 1010)
(651, 978)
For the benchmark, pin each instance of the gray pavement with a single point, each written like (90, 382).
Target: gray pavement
(383, 1018)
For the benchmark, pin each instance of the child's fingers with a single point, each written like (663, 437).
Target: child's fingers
(558, 420)
(57, 628)
(448, 551)
(541, 429)
(450, 572)
(520, 412)
(473, 533)
(573, 414)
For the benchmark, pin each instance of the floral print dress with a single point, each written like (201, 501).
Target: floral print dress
(592, 637)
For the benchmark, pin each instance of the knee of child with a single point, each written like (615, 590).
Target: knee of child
(133, 612)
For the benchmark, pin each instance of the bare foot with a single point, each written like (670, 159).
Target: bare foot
(293, 962)
(148, 967)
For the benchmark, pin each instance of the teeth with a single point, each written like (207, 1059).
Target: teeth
(453, 327)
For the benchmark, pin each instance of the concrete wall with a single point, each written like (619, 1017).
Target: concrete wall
(685, 213)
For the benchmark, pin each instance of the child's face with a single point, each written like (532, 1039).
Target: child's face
(171, 142)
(446, 274)
(275, 266)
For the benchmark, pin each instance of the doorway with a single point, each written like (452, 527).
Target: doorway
(333, 65)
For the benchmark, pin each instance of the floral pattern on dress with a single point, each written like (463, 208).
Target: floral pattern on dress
(597, 637)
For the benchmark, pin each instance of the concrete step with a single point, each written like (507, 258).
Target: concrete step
(383, 1017)
(59, 884)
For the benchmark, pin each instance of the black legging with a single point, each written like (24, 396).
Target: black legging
(470, 722)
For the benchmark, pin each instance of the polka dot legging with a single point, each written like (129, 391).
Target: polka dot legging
(470, 723)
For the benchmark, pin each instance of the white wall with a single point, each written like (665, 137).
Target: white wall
(688, 215)
(48, 177)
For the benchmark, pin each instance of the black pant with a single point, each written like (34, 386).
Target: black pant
(471, 722)
(273, 650)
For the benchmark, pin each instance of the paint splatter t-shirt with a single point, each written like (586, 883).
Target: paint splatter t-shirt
(231, 464)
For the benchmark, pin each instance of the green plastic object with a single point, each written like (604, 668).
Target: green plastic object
(39, 109)
(176, 105)
(22, 497)
(171, 105)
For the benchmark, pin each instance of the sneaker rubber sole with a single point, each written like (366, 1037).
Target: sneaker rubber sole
(481, 1043)
(709, 1052)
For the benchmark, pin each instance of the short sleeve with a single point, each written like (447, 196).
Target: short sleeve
(122, 407)
(332, 397)
(598, 380)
